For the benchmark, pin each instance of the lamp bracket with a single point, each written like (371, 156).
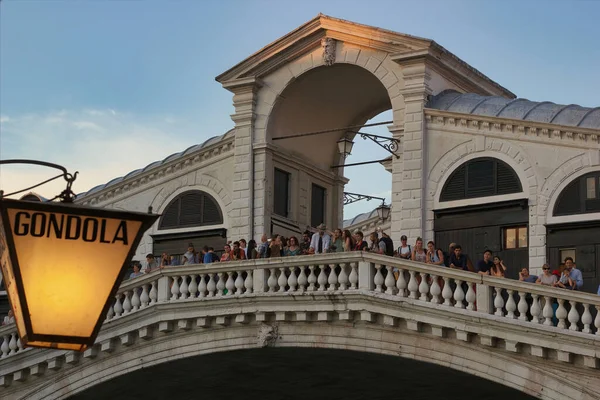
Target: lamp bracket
(66, 196)
(391, 145)
(350, 198)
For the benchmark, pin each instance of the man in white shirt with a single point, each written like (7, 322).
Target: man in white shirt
(320, 242)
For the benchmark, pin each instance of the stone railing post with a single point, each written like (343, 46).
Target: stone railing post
(485, 304)
(259, 280)
(164, 289)
(366, 275)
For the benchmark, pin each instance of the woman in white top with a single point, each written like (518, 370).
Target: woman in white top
(547, 278)
(419, 254)
(404, 251)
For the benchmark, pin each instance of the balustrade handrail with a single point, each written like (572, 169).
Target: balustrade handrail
(349, 257)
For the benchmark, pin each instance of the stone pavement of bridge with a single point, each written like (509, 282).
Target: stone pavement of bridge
(299, 373)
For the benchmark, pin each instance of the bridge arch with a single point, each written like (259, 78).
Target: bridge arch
(528, 377)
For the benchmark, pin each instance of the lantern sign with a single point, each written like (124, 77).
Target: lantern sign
(62, 264)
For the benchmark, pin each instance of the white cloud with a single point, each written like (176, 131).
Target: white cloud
(100, 144)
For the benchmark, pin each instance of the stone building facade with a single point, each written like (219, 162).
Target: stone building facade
(476, 165)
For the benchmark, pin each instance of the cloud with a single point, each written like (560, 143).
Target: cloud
(100, 144)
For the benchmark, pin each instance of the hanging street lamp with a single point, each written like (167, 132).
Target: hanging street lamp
(63, 263)
(383, 211)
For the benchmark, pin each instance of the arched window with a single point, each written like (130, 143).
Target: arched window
(580, 197)
(192, 208)
(481, 177)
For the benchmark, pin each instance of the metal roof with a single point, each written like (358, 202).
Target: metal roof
(156, 164)
(523, 109)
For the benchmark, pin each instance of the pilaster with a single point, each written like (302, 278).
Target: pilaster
(244, 100)
(409, 216)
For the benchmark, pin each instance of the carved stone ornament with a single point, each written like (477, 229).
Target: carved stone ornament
(328, 45)
(267, 335)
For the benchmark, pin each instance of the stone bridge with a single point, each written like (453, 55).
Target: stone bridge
(498, 329)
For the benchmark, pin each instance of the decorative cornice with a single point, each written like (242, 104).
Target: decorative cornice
(519, 129)
(143, 180)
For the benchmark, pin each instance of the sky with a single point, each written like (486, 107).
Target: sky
(106, 87)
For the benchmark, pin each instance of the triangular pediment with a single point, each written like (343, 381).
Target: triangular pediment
(401, 47)
(309, 35)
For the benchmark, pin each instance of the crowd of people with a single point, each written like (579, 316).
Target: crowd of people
(565, 275)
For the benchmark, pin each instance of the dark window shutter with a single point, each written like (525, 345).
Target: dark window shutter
(211, 213)
(281, 189)
(507, 180)
(170, 218)
(455, 187)
(189, 209)
(317, 206)
(481, 177)
(569, 200)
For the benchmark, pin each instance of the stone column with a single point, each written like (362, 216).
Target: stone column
(397, 196)
(244, 100)
(409, 168)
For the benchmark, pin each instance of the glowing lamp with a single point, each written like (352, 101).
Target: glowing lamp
(62, 264)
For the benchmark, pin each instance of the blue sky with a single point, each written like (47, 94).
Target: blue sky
(105, 87)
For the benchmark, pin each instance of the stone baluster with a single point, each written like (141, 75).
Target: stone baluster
(343, 278)
(239, 283)
(127, 302)
(111, 312)
(523, 307)
(498, 302)
(135, 299)
(118, 305)
(511, 306)
(459, 295)
(586, 319)
(4, 348)
(332, 279)
(401, 283)
(353, 276)
(470, 296)
(282, 281)
(597, 320)
(220, 284)
(424, 288)
(548, 311)
(447, 293)
(322, 279)
(13, 344)
(435, 290)
(573, 316)
(293, 280)
(272, 281)
(230, 284)
(211, 286)
(312, 279)
(202, 287)
(390, 282)
(145, 296)
(184, 288)
(153, 293)
(19, 344)
(413, 286)
(302, 279)
(378, 279)
(175, 288)
(535, 310)
(249, 282)
(561, 313)
(193, 286)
